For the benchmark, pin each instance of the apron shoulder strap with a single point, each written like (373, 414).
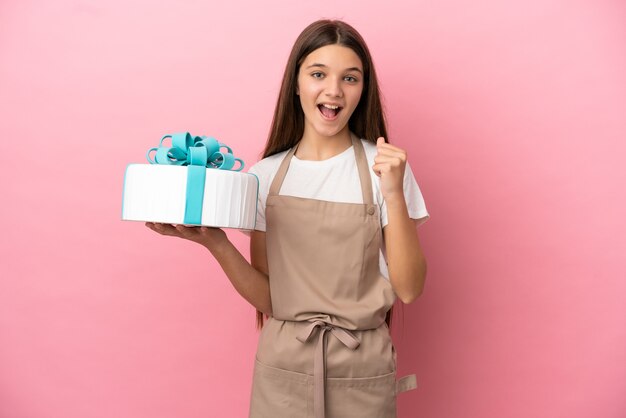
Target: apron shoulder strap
(282, 172)
(364, 172)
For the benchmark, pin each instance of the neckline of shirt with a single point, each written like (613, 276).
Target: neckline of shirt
(332, 160)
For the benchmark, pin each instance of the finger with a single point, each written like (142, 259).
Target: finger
(186, 231)
(380, 158)
(383, 159)
(382, 143)
(381, 168)
(152, 227)
(157, 229)
(392, 152)
(166, 229)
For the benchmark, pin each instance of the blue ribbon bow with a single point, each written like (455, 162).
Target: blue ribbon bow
(198, 153)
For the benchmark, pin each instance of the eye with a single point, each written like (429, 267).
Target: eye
(316, 74)
(351, 79)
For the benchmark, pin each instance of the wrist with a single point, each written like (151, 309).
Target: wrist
(217, 245)
(395, 200)
(218, 250)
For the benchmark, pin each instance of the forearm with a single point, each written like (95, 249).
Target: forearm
(407, 265)
(250, 283)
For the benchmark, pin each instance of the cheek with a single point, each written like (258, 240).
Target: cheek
(308, 96)
(309, 89)
(359, 92)
(356, 96)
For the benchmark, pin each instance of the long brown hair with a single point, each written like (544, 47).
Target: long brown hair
(368, 119)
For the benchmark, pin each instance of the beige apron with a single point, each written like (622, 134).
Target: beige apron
(327, 350)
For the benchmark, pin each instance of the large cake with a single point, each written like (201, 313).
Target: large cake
(194, 182)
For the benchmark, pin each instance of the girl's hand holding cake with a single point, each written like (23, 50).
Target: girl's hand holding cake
(209, 237)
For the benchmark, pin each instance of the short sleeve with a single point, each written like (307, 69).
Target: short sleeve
(414, 200)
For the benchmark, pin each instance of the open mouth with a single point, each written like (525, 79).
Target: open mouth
(329, 112)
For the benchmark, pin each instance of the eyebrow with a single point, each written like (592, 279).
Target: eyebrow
(325, 66)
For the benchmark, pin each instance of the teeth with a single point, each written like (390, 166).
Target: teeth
(330, 106)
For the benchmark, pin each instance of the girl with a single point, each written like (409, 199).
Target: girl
(336, 204)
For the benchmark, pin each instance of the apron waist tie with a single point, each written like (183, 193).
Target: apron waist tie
(319, 362)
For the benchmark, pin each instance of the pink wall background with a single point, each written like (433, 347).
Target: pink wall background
(514, 116)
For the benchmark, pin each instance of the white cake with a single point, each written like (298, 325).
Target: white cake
(157, 193)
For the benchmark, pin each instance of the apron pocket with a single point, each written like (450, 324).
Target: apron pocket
(362, 397)
(279, 393)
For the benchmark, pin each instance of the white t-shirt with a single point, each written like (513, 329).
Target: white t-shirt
(335, 179)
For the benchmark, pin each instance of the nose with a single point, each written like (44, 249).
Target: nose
(333, 88)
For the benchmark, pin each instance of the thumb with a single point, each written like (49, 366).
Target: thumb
(380, 140)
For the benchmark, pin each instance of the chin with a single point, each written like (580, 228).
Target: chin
(330, 132)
